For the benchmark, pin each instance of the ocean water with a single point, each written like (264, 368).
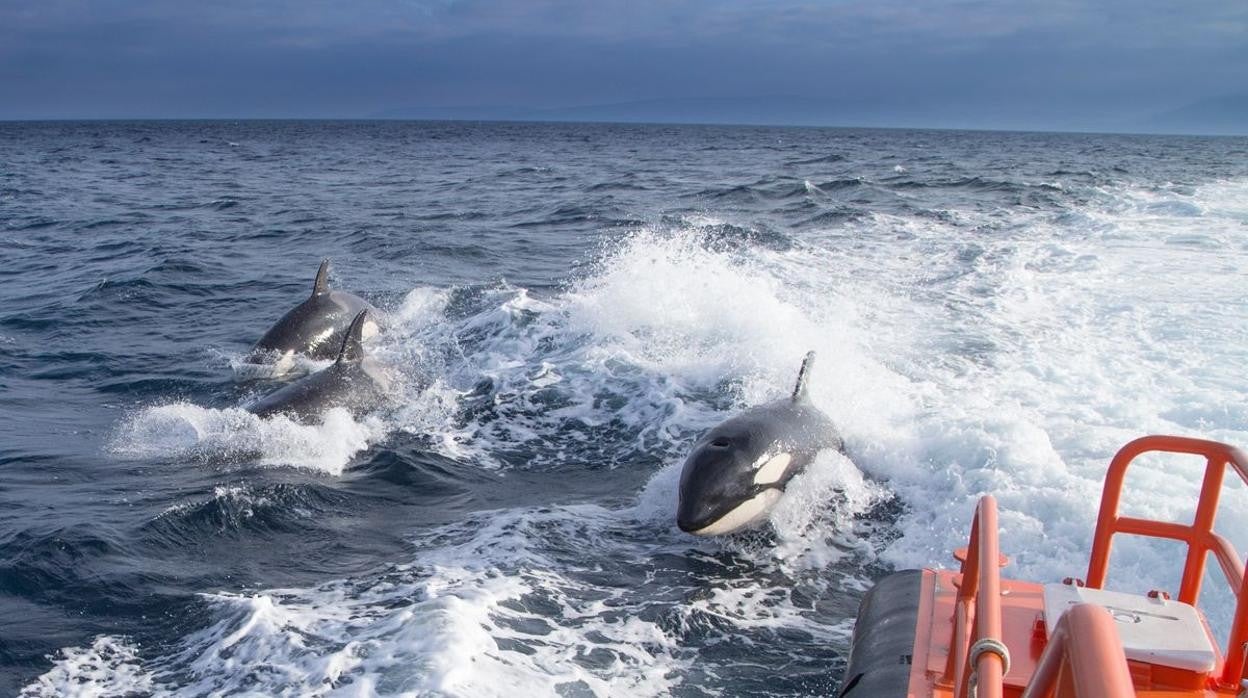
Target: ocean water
(568, 307)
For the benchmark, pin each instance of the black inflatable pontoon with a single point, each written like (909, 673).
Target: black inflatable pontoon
(880, 656)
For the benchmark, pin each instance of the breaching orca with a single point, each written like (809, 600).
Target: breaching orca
(314, 327)
(738, 470)
(353, 381)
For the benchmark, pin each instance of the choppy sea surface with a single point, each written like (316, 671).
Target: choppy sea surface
(569, 306)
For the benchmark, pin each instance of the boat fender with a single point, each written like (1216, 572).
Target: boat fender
(883, 644)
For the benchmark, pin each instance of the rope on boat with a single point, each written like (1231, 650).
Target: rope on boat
(982, 646)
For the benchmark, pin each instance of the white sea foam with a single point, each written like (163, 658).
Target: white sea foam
(814, 522)
(1031, 364)
(1012, 362)
(224, 436)
(109, 667)
(512, 601)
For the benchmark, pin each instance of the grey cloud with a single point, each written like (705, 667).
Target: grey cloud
(896, 57)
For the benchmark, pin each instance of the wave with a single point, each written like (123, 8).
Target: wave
(54, 564)
(237, 511)
(110, 666)
(774, 189)
(985, 325)
(544, 600)
(819, 160)
(232, 436)
(669, 330)
(621, 367)
(627, 183)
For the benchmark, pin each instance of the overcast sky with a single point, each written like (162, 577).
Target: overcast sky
(908, 62)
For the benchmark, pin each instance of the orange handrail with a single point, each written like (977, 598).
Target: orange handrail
(979, 595)
(1200, 537)
(1083, 657)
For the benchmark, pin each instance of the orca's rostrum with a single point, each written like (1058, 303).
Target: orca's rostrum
(738, 470)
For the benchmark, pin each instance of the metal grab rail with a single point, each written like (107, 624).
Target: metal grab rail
(1199, 536)
(1084, 657)
(979, 601)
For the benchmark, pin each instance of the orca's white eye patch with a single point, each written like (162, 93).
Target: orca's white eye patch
(773, 469)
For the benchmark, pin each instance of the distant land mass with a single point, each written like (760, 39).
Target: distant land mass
(795, 111)
(1225, 115)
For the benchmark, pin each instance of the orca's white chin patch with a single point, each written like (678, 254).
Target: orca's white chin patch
(749, 512)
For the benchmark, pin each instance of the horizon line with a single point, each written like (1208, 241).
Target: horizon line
(609, 122)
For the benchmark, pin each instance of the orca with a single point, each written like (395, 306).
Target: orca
(354, 381)
(315, 327)
(738, 470)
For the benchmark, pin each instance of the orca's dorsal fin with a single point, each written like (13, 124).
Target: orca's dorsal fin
(353, 344)
(803, 377)
(321, 285)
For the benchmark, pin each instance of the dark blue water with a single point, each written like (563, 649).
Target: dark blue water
(573, 304)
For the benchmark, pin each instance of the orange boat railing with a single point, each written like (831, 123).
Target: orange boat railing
(1200, 537)
(979, 600)
(1084, 657)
